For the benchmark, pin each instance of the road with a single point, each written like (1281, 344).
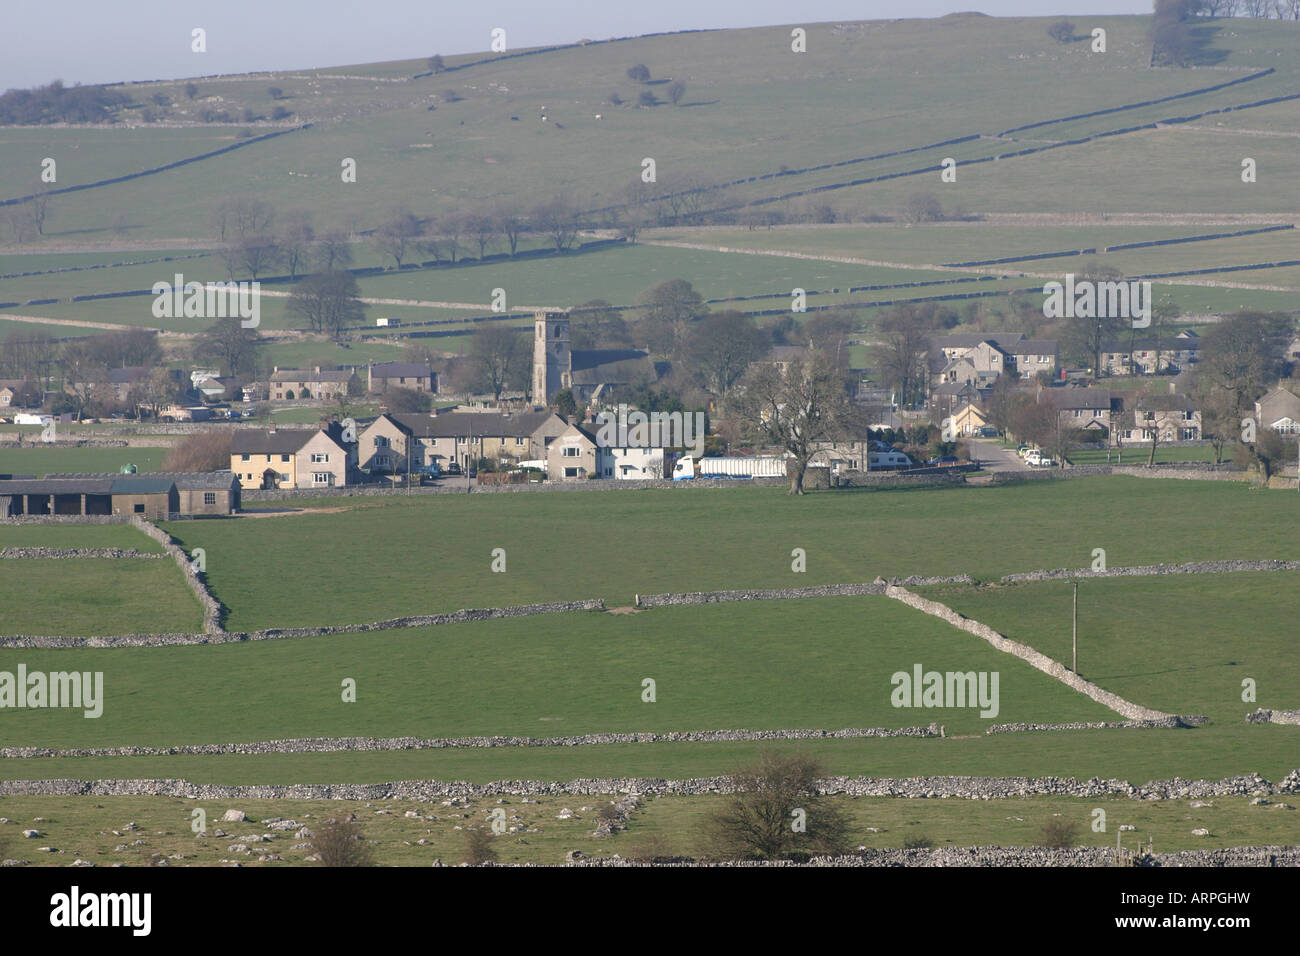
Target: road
(996, 458)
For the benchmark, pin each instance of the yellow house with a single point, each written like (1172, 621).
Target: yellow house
(969, 419)
(298, 458)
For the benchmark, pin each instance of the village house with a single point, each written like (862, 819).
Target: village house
(1147, 356)
(1172, 417)
(291, 384)
(292, 458)
(1279, 409)
(575, 454)
(1094, 412)
(418, 377)
(396, 442)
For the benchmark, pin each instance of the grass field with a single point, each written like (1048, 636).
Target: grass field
(1180, 644)
(668, 825)
(427, 554)
(41, 460)
(1136, 454)
(76, 536)
(92, 596)
(767, 665)
(1209, 753)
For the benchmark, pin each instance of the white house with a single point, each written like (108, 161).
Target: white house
(631, 463)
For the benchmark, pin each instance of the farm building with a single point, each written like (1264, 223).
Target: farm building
(153, 496)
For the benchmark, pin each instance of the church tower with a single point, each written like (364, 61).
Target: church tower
(552, 360)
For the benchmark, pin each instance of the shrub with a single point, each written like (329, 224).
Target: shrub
(1059, 832)
(478, 847)
(1062, 31)
(918, 842)
(339, 842)
(639, 73)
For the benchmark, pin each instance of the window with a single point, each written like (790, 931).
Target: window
(319, 458)
(381, 461)
(209, 497)
(461, 440)
(381, 441)
(519, 441)
(570, 451)
(138, 509)
(284, 477)
(284, 457)
(245, 457)
(568, 473)
(320, 478)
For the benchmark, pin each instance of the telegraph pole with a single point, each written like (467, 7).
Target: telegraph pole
(1074, 631)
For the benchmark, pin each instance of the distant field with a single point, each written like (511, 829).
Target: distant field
(40, 460)
(714, 667)
(428, 554)
(88, 596)
(1162, 641)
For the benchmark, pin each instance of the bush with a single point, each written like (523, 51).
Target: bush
(647, 98)
(1062, 31)
(339, 842)
(478, 847)
(203, 451)
(1058, 832)
(919, 842)
(639, 73)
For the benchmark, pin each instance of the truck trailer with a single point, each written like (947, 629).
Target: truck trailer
(689, 467)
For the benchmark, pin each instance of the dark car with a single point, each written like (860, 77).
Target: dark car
(453, 468)
(427, 480)
(473, 473)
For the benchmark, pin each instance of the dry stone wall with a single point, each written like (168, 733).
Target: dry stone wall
(1027, 654)
(1262, 716)
(229, 637)
(212, 609)
(18, 553)
(965, 788)
(1195, 567)
(337, 744)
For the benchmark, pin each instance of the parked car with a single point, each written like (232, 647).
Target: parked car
(1036, 459)
(452, 468)
(988, 431)
(428, 480)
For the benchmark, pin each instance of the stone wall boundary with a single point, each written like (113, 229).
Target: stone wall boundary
(340, 744)
(212, 608)
(236, 637)
(1262, 716)
(788, 594)
(964, 788)
(1191, 567)
(1033, 658)
(47, 553)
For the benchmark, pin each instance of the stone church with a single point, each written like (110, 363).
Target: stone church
(587, 372)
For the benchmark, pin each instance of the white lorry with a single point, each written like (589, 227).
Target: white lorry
(888, 461)
(689, 467)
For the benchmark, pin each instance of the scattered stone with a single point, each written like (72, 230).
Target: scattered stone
(1200, 831)
(234, 816)
(31, 834)
(1197, 804)
(573, 856)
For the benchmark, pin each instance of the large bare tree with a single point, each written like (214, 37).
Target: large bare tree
(795, 409)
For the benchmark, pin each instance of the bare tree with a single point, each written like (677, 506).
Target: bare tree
(510, 223)
(296, 240)
(397, 235)
(497, 355)
(332, 250)
(775, 811)
(795, 409)
(202, 451)
(227, 342)
(676, 90)
(329, 302)
(559, 220)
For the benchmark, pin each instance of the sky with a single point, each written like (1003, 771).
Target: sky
(103, 41)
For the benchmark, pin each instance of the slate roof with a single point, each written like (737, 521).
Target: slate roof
(280, 442)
